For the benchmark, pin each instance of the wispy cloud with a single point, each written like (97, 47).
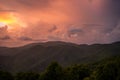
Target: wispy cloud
(1, 10)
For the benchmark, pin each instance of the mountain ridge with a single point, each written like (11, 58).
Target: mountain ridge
(36, 56)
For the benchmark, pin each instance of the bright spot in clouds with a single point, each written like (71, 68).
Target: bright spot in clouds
(2, 24)
(78, 21)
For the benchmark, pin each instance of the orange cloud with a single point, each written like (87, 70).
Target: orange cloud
(62, 19)
(6, 18)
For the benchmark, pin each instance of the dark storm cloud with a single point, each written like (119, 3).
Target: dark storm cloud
(5, 37)
(54, 28)
(23, 38)
(115, 5)
(106, 28)
(113, 10)
(92, 25)
(76, 32)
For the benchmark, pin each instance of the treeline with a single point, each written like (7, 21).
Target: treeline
(108, 69)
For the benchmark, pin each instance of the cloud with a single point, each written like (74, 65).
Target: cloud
(34, 4)
(3, 31)
(78, 21)
(75, 32)
(25, 38)
(26, 3)
(54, 28)
(5, 38)
(4, 10)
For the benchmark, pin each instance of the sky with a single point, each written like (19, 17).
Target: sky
(77, 21)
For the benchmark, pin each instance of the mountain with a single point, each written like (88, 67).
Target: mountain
(36, 56)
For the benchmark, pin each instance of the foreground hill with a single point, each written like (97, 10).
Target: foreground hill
(35, 57)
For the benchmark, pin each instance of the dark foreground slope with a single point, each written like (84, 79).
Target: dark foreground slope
(35, 57)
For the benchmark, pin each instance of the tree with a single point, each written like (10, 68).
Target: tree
(27, 76)
(53, 72)
(6, 76)
(107, 71)
(78, 72)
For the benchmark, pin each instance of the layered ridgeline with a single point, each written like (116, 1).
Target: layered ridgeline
(37, 56)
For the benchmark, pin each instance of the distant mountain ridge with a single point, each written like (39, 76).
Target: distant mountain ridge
(36, 56)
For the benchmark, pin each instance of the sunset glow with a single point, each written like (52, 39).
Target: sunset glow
(34, 33)
(13, 22)
(6, 18)
(77, 21)
(2, 24)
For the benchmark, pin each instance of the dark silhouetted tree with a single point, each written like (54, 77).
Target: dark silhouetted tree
(78, 72)
(53, 72)
(6, 76)
(109, 70)
(27, 76)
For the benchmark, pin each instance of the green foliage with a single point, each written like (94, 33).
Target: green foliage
(108, 69)
(6, 76)
(78, 72)
(53, 72)
(22, 58)
(27, 76)
(107, 72)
